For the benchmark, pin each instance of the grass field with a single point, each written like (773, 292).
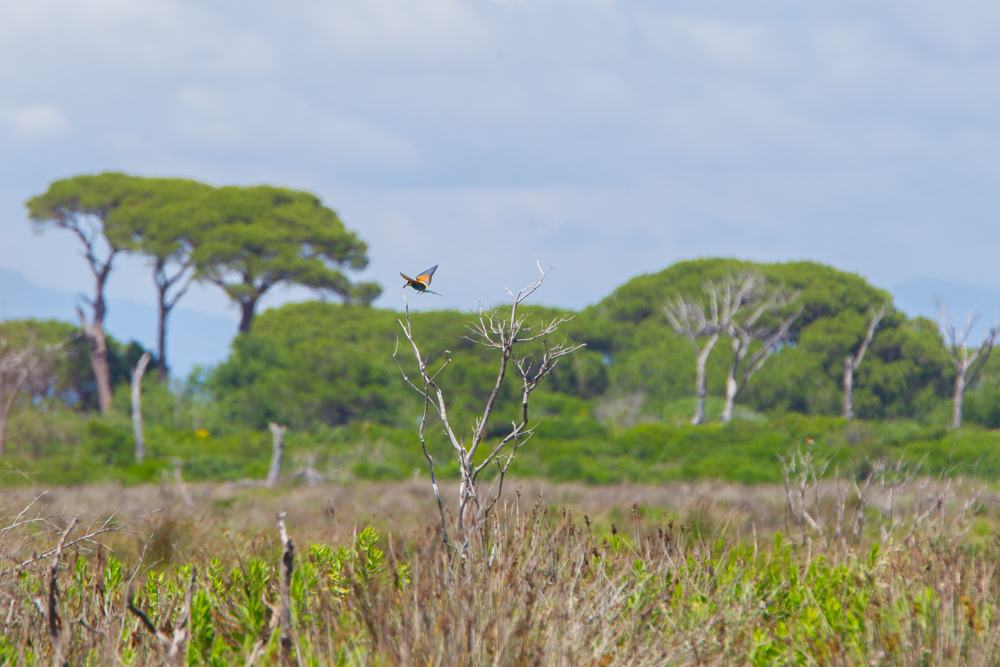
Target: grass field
(899, 571)
(570, 444)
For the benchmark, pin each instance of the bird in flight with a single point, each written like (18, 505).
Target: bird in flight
(422, 281)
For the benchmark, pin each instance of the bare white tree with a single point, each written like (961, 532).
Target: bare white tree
(702, 330)
(744, 300)
(853, 361)
(968, 364)
(506, 332)
(140, 438)
(21, 367)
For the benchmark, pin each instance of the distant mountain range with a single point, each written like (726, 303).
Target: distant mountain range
(196, 338)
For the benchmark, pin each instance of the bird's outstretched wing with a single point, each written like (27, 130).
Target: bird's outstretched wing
(425, 276)
(422, 281)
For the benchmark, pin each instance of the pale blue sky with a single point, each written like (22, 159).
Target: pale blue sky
(611, 138)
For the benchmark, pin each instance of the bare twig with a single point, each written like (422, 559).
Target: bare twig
(174, 646)
(504, 332)
(60, 635)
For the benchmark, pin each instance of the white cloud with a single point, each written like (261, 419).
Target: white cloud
(473, 133)
(36, 122)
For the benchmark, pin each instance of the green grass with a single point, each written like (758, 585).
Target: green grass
(66, 448)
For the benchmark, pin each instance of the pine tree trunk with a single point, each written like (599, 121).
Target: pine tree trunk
(247, 307)
(161, 343)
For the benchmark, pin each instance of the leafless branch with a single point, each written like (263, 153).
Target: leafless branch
(743, 301)
(968, 364)
(59, 634)
(503, 331)
(174, 646)
(853, 361)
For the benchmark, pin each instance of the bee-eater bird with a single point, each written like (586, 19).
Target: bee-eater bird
(422, 281)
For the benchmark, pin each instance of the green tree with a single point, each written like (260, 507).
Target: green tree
(84, 205)
(162, 219)
(312, 363)
(906, 371)
(258, 237)
(68, 377)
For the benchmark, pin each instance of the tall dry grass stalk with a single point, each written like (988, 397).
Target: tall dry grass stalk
(671, 578)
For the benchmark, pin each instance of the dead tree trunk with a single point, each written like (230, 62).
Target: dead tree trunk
(94, 331)
(968, 364)
(848, 382)
(278, 453)
(101, 245)
(958, 399)
(852, 362)
(284, 592)
(744, 300)
(690, 320)
(732, 383)
(140, 439)
(701, 381)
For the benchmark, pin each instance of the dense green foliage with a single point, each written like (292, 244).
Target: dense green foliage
(72, 385)
(246, 240)
(317, 363)
(906, 372)
(615, 411)
(258, 237)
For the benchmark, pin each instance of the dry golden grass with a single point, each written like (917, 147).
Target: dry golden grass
(562, 574)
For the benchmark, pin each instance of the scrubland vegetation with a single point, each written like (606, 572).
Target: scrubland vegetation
(812, 524)
(615, 411)
(704, 573)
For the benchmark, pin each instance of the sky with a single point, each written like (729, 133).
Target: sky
(608, 138)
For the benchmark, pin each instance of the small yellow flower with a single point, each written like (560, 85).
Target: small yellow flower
(809, 441)
(201, 433)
